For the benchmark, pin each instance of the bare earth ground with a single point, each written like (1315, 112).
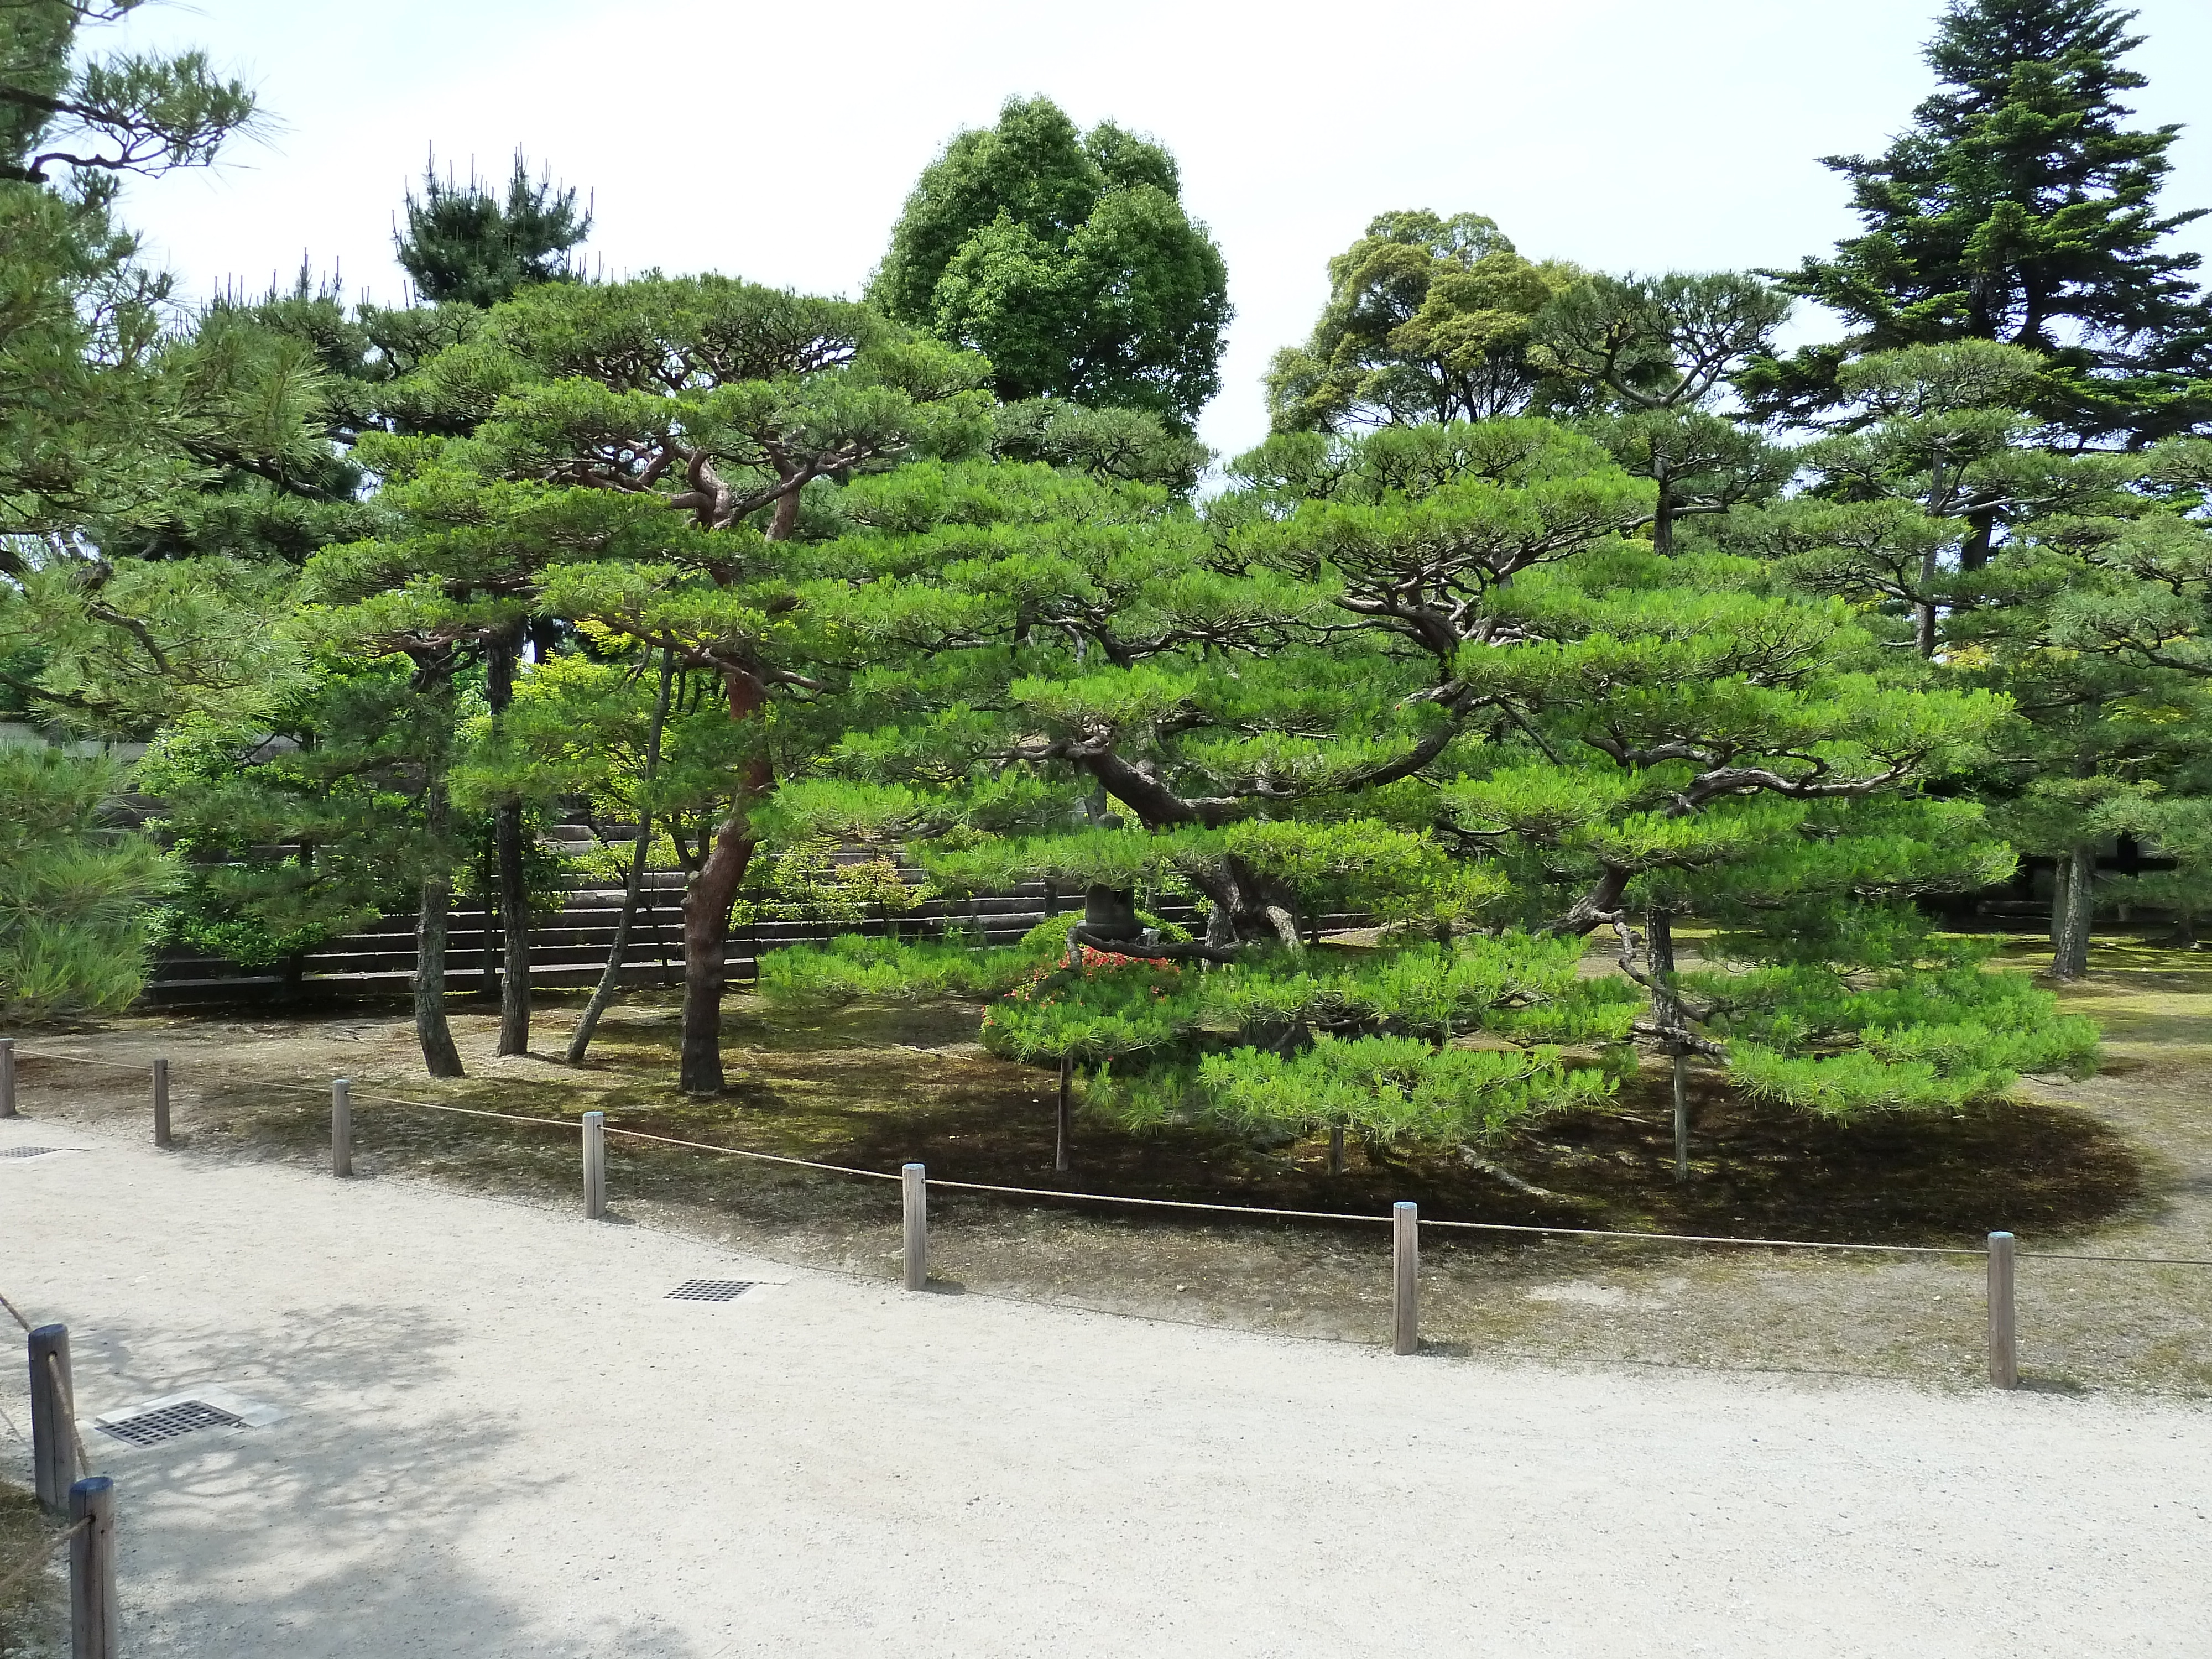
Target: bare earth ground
(2120, 1164)
(502, 1439)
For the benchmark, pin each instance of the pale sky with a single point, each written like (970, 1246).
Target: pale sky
(777, 142)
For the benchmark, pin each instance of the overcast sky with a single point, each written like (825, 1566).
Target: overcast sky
(776, 143)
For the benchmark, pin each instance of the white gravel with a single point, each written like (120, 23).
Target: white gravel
(501, 1439)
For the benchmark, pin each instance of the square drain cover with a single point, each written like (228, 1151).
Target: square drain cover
(35, 1151)
(168, 1422)
(211, 1406)
(710, 1290)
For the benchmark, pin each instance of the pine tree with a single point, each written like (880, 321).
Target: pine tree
(465, 243)
(1661, 352)
(647, 476)
(2020, 208)
(1433, 675)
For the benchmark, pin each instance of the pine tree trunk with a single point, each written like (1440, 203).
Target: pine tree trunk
(513, 889)
(1063, 1113)
(633, 884)
(1974, 551)
(2075, 909)
(440, 1057)
(707, 897)
(1667, 1014)
(515, 933)
(1663, 515)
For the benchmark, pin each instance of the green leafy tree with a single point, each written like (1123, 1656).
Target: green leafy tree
(1065, 258)
(467, 244)
(2020, 207)
(1428, 318)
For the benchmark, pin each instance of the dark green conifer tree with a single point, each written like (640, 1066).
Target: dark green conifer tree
(468, 243)
(2019, 207)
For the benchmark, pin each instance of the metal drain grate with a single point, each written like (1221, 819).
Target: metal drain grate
(710, 1290)
(34, 1151)
(167, 1422)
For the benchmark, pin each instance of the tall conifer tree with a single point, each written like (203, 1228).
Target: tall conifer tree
(2021, 207)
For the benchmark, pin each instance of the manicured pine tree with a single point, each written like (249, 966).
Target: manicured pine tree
(646, 474)
(1661, 351)
(1426, 672)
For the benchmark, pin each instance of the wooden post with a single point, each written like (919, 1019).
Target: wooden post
(1060, 1115)
(54, 1449)
(595, 1165)
(1405, 1278)
(93, 1634)
(160, 1100)
(1336, 1149)
(341, 1125)
(915, 1185)
(7, 1077)
(2004, 1335)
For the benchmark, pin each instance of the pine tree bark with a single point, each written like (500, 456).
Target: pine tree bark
(633, 885)
(2076, 909)
(1667, 1014)
(513, 882)
(440, 1057)
(1663, 513)
(708, 898)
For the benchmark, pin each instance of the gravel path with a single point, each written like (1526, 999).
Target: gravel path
(503, 1439)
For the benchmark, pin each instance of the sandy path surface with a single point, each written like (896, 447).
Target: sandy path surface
(503, 1439)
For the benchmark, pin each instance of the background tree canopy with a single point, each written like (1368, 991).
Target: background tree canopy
(2020, 206)
(1066, 257)
(1428, 318)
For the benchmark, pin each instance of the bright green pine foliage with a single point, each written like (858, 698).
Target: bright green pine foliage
(1434, 676)
(77, 889)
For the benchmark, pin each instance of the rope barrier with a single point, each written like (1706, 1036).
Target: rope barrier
(11, 1307)
(33, 1562)
(1192, 1204)
(1155, 1203)
(79, 1059)
(740, 1152)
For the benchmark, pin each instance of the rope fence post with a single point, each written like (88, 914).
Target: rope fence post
(53, 1452)
(914, 1187)
(7, 1077)
(93, 1624)
(341, 1125)
(1405, 1278)
(2004, 1331)
(595, 1165)
(161, 1100)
